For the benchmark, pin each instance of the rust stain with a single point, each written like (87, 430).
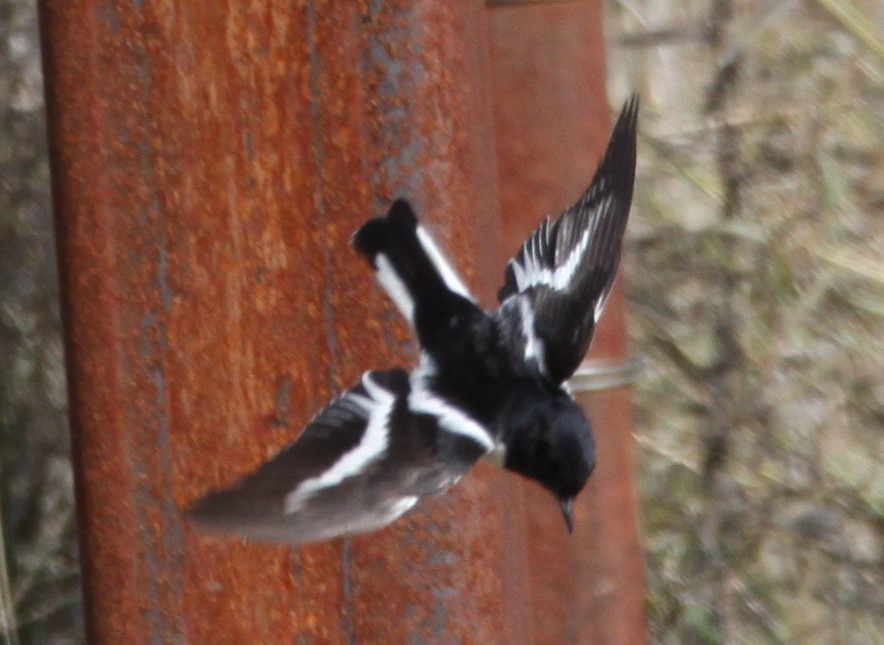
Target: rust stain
(209, 165)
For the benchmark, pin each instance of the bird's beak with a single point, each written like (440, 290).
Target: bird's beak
(568, 513)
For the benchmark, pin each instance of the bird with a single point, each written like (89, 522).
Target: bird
(487, 384)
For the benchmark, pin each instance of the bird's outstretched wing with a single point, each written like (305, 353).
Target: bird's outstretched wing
(556, 286)
(361, 463)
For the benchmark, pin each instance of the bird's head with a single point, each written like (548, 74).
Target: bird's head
(549, 440)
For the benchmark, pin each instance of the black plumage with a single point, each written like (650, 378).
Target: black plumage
(488, 383)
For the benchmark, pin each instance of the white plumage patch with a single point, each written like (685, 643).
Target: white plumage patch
(600, 305)
(451, 419)
(533, 345)
(449, 275)
(532, 273)
(376, 407)
(394, 287)
(399, 506)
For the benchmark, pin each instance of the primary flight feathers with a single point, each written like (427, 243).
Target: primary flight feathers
(488, 384)
(566, 268)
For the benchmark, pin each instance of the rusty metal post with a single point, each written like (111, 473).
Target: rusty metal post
(552, 124)
(210, 161)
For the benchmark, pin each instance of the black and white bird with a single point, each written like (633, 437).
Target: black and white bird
(488, 384)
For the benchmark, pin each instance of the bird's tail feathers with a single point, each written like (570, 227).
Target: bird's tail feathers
(407, 262)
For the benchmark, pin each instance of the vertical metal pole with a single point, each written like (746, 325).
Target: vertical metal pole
(210, 161)
(552, 124)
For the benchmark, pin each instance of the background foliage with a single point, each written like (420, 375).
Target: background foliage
(755, 267)
(40, 590)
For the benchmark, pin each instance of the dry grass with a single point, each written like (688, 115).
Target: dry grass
(755, 266)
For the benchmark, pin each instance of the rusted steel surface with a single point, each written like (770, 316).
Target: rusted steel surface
(210, 161)
(552, 123)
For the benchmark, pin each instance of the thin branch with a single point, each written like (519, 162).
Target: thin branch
(7, 603)
(862, 28)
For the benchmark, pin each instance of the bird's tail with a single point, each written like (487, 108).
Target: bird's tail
(407, 262)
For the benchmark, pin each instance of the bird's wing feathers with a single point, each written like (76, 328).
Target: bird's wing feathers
(564, 272)
(362, 462)
(373, 452)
